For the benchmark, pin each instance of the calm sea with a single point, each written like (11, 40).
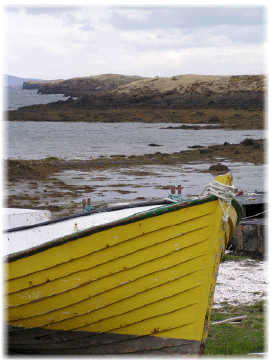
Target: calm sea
(34, 140)
(38, 140)
(15, 98)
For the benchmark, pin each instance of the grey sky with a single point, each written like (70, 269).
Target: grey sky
(63, 41)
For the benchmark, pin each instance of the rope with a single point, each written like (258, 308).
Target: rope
(255, 215)
(224, 193)
(175, 198)
(88, 208)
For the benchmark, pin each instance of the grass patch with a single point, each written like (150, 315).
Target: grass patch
(242, 338)
(228, 257)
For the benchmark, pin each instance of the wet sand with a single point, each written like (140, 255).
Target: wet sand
(43, 184)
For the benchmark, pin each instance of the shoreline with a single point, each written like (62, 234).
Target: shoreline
(66, 111)
(38, 184)
(249, 150)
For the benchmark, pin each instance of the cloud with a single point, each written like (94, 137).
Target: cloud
(69, 20)
(50, 10)
(177, 39)
(86, 28)
(248, 59)
(41, 10)
(66, 13)
(184, 17)
(146, 40)
(11, 9)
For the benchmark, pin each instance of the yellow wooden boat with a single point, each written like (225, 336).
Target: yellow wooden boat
(136, 280)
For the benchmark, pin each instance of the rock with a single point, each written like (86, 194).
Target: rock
(54, 208)
(218, 168)
(70, 100)
(215, 119)
(258, 146)
(248, 142)
(205, 151)
(34, 84)
(222, 92)
(96, 84)
(154, 145)
(195, 146)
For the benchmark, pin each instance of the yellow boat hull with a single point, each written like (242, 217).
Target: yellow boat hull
(142, 284)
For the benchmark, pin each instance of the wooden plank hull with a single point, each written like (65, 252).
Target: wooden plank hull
(144, 284)
(51, 342)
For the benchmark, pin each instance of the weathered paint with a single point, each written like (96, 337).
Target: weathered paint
(149, 276)
(17, 241)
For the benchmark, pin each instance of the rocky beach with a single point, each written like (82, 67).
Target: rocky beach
(38, 183)
(189, 102)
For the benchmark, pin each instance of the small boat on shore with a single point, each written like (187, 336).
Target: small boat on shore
(127, 280)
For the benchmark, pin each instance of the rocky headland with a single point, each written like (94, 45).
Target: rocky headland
(77, 86)
(235, 102)
(36, 84)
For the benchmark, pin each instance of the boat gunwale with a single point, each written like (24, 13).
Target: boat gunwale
(84, 214)
(165, 208)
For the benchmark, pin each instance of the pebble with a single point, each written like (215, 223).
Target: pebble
(241, 281)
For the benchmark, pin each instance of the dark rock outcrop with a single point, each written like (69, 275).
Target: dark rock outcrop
(238, 92)
(235, 100)
(218, 168)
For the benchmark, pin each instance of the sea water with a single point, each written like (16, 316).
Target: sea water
(39, 140)
(16, 97)
(79, 140)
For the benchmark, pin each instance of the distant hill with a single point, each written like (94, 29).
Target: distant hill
(200, 84)
(37, 84)
(189, 91)
(96, 83)
(105, 82)
(15, 82)
(138, 88)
